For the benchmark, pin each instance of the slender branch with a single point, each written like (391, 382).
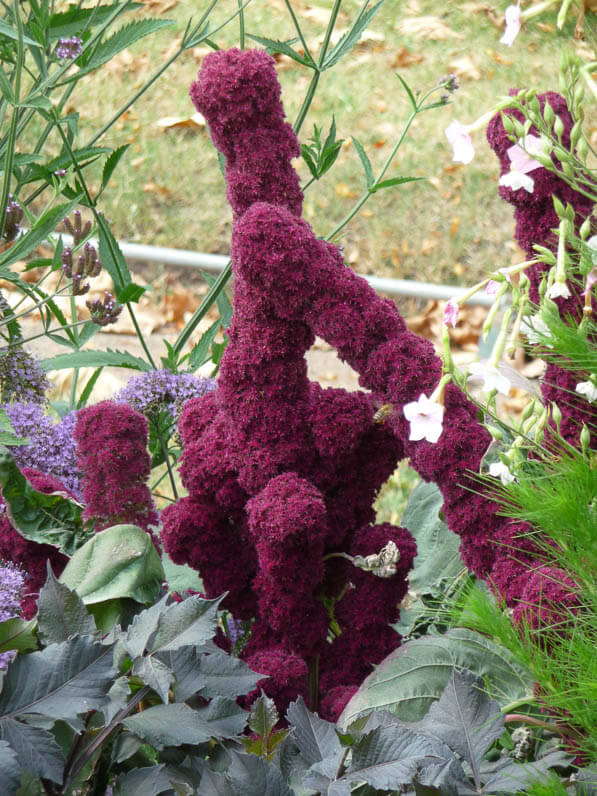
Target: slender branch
(12, 135)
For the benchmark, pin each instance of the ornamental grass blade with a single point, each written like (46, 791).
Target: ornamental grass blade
(61, 681)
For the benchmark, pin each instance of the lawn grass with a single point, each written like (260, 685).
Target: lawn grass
(169, 189)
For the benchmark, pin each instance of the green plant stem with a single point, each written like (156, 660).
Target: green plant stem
(202, 309)
(314, 682)
(91, 202)
(241, 24)
(12, 134)
(73, 770)
(304, 109)
(546, 725)
(166, 455)
(298, 29)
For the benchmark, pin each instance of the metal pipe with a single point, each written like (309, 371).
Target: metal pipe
(215, 263)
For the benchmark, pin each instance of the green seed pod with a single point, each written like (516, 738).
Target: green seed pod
(508, 123)
(495, 432)
(570, 216)
(547, 256)
(542, 288)
(579, 94)
(528, 410)
(582, 149)
(559, 207)
(548, 115)
(558, 128)
(575, 134)
(585, 228)
(556, 415)
(568, 169)
(517, 128)
(585, 439)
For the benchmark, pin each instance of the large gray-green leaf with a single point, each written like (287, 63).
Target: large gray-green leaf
(118, 562)
(414, 675)
(437, 547)
(517, 776)
(389, 757)
(263, 716)
(192, 621)
(177, 724)
(46, 519)
(249, 775)
(465, 719)
(213, 674)
(155, 674)
(149, 781)
(36, 749)
(10, 770)
(61, 613)
(316, 739)
(62, 681)
(142, 628)
(180, 577)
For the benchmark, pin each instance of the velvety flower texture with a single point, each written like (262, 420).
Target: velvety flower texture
(280, 472)
(113, 459)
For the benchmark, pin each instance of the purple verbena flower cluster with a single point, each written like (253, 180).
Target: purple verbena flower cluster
(158, 390)
(104, 312)
(12, 219)
(21, 378)
(281, 473)
(51, 447)
(12, 581)
(112, 456)
(68, 49)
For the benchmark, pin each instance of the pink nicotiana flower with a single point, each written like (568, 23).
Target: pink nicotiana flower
(426, 419)
(591, 280)
(492, 287)
(512, 18)
(451, 312)
(491, 376)
(462, 144)
(521, 163)
(588, 389)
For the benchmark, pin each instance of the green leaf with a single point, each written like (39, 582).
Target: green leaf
(274, 46)
(68, 23)
(86, 394)
(155, 674)
(36, 749)
(437, 547)
(414, 675)
(10, 768)
(95, 359)
(409, 93)
(36, 101)
(147, 781)
(263, 716)
(131, 292)
(223, 302)
(213, 674)
(123, 38)
(118, 562)
(308, 158)
(394, 181)
(193, 621)
(112, 257)
(351, 37)
(46, 519)
(171, 725)
(18, 634)
(11, 33)
(143, 627)
(61, 613)
(7, 91)
(366, 163)
(112, 161)
(316, 739)
(86, 332)
(61, 681)
(44, 225)
(180, 577)
(200, 353)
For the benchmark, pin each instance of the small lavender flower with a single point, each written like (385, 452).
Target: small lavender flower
(68, 49)
(51, 448)
(12, 580)
(21, 378)
(12, 219)
(157, 390)
(106, 312)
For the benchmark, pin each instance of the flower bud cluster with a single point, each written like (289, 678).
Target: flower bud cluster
(104, 312)
(76, 228)
(88, 264)
(68, 49)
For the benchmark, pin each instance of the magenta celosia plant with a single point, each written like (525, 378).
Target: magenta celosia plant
(281, 473)
(114, 463)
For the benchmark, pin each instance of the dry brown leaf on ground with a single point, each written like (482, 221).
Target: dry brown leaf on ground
(428, 27)
(405, 58)
(160, 6)
(344, 191)
(465, 68)
(499, 58)
(191, 123)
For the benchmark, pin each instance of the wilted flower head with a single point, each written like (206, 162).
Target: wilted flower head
(588, 389)
(451, 312)
(492, 378)
(382, 564)
(68, 49)
(12, 219)
(501, 471)
(21, 377)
